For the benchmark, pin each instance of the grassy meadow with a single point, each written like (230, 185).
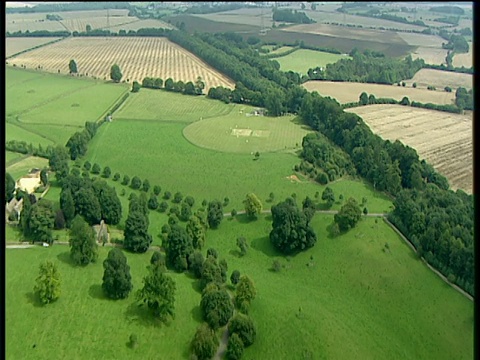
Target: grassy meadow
(343, 298)
(301, 60)
(48, 109)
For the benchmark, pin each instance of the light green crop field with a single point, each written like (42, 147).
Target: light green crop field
(302, 60)
(161, 105)
(343, 298)
(12, 157)
(50, 108)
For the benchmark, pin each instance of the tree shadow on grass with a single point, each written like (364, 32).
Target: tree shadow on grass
(197, 314)
(139, 313)
(66, 259)
(96, 292)
(33, 299)
(235, 253)
(264, 245)
(268, 217)
(244, 219)
(196, 285)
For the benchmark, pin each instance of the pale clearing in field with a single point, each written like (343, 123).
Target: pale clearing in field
(443, 139)
(423, 40)
(241, 132)
(345, 92)
(137, 57)
(431, 55)
(14, 45)
(440, 79)
(466, 60)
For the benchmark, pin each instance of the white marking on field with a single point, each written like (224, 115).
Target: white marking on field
(241, 132)
(261, 133)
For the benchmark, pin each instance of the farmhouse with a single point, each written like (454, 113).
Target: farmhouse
(30, 181)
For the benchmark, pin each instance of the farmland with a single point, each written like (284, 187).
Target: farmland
(39, 106)
(14, 45)
(302, 60)
(440, 79)
(23, 165)
(443, 139)
(345, 92)
(138, 24)
(244, 16)
(466, 59)
(137, 57)
(352, 264)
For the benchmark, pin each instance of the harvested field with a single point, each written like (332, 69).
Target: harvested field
(14, 45)
(137, 57)
(97, 19)
(138, 24)
(349, 33)
(430, 55)
(423, 40)
(241, 16)
(466, 60)
(345, 92)
(440, 79)
(302, 60)
(443, 139)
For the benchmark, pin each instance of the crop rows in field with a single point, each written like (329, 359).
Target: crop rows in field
(345, 92)
(14, 45)
(443, 139)
(138, 24)
(137, 57)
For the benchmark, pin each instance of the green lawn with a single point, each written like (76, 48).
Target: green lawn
(22, 167)
(160, 105)
(48, 109)
(356, 301)
(302, 60)
(12, 157)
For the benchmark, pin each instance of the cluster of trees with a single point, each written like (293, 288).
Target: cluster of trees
(464, 98)
(440, 224)
(37, 219)
(369, 67)
(38, 33)
(78, 142)
(188, 88)
(457, 43)
(94, 200)
(291, 231)
(322, 160)
(53, 17)
(213, 8)
(136, 236)
(291, 16)
(23, 147)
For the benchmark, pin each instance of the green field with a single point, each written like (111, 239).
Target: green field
(19, 168)
(356, 301)
(48, 109)
(301, 60)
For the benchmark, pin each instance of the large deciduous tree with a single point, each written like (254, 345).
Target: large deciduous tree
(9, 187)
(348, 215)
(253, 206)
(137, 238)
(205, 342)
(235, 347)
(115, 73)
(178, 248)
(328, 196)
(158, 293)
(245, 293)
(216, 306)
(214, 213)
(48, 283)
(58, 162)
(117, 281)
(243, 326)
(83, 247)
(196, 230)
(290, 229)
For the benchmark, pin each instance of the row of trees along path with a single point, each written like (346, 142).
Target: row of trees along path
(21, 245)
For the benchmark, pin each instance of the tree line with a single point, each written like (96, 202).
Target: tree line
(291, 16)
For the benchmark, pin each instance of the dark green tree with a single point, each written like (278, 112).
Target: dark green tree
(253, 206)
(214, 213)
(58, 162)
(44, 176)
(136, 86)
(211, 272)
(48, 283)
(117, 282)
(216, 306)
(196, 230)
(245, 293)
(146, 185)
(205, 343)
(243, 326)
(235, 345)
(136, 183)
(363, 98)
(72, 66)
(96, 169)
(87, 204)
(107, 172)
(290, 229)
(83, 247)
(309, 208)
(178, 248)
(67, 205)
(235, 277)
(110, 205)
(153, 202)
(157, 189)
(137, 239)
(242, 244)
(185, 211)
(348, 215)
(41, 221)
(115, 73)
(196, 261)
(9, 187)
(328, 196)
(158, 293)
